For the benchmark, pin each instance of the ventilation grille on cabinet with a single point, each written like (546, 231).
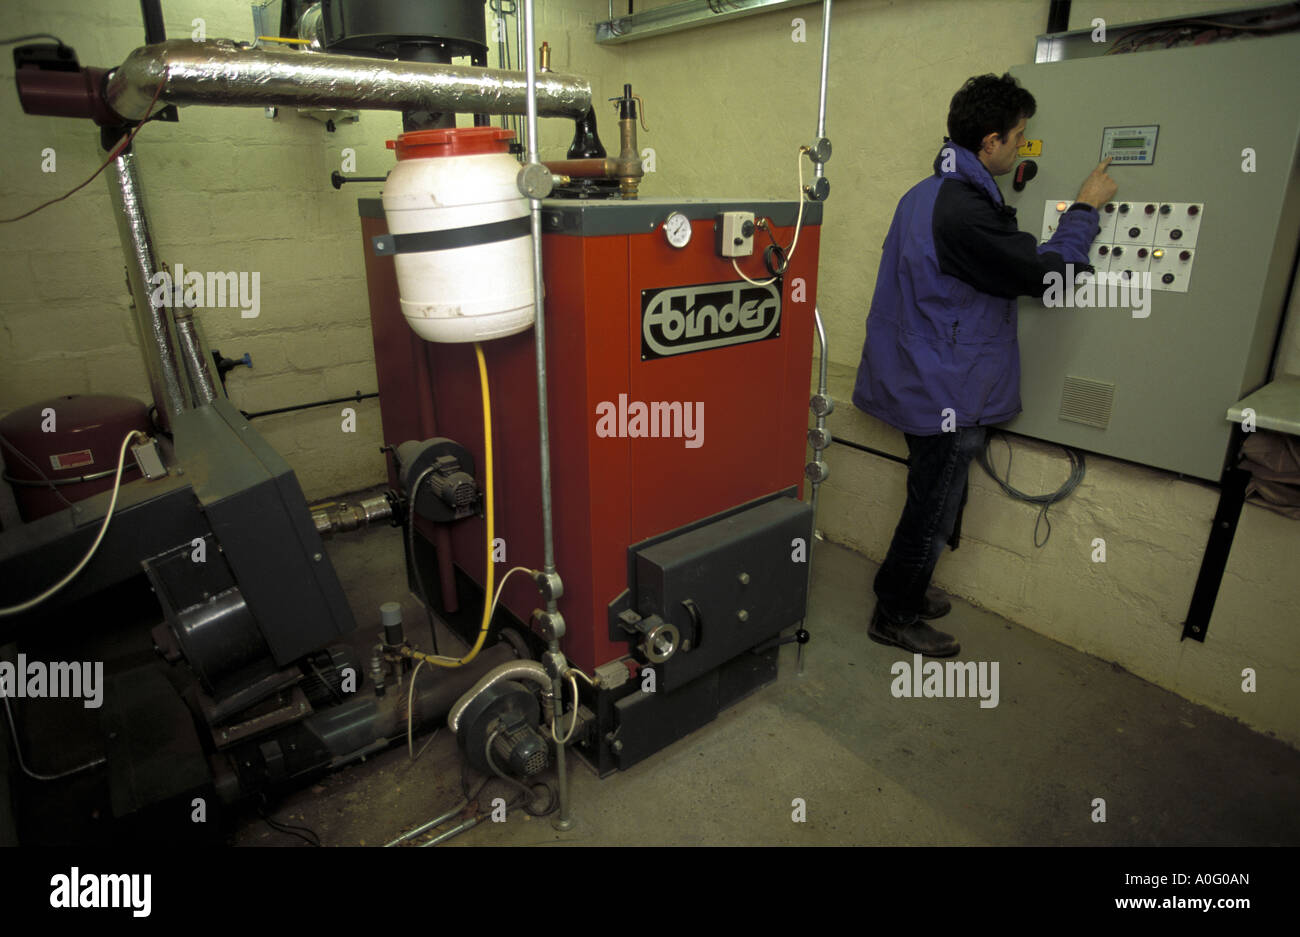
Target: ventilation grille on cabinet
(1087, 401)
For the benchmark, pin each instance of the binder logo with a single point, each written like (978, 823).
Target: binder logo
(682, 319)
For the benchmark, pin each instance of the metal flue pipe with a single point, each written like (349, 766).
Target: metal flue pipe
(224, 74)
(167, 381)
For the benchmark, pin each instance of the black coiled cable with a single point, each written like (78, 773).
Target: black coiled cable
(1077, 471)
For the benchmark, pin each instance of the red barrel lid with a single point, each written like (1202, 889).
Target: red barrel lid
(452, 141)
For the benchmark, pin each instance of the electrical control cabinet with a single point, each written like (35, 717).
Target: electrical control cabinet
(1195, 255)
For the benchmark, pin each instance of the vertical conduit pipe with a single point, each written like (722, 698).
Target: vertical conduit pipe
(826, 57)
(562, 822)
(819, 171)
(519, 56)
(821, 417)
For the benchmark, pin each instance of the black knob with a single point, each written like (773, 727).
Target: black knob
(1110, 208)
(802, 636)
(1119, 251)
(1167, 278)
(747, 229)
(1184, 255)
(1024, 173)
(1142, 252)
(1134, 232)
(1192, 210)
(1165, 209)
(1103, 250)
(1123, 209)
(1150, 209)
(1175, 234)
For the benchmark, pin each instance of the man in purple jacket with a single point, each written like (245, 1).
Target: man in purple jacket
(941, 362)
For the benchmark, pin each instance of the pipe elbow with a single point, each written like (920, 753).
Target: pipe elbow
(131, 85)
(513, 670)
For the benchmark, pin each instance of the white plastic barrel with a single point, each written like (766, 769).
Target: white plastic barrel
(458, 185)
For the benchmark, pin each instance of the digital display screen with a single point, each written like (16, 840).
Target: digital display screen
(1132, 142)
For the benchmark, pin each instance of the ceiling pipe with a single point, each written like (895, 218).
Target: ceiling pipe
(224, 74)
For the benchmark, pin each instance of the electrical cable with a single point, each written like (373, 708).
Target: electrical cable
(13, 731)
(798, 224)
(471, 797)
(37, 469)
(112, 504)
(557, 713)
(116, 152)
(552, 802)
(436, 659)
(1077, 472)
(410, 553)
(410, 714)
(311, 839)
(12, 40)
(500, 588)
(425, 747)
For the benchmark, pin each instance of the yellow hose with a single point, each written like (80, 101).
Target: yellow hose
(436, 659)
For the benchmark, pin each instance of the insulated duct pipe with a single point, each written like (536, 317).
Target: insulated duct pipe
(157, 341)
(224, 74)
(194, 352)
(511, 670)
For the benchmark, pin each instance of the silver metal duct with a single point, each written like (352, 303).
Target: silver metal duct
(204, 387)
(157, 342)
(673, 17)
(511, 670)
(221, 73)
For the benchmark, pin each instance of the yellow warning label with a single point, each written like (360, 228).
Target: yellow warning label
(1031, 148)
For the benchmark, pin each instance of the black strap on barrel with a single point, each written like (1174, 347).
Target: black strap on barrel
(472, 236)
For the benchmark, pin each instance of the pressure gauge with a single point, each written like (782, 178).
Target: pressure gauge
(677, 228)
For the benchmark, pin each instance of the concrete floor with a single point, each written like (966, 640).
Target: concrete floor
(870, 768)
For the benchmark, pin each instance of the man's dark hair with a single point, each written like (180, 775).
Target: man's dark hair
(987, 104)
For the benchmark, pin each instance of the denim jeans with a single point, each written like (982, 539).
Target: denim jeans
(937, 476)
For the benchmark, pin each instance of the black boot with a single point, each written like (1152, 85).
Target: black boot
(934, 605)
(917, 637)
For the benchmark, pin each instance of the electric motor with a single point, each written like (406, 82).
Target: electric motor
(505, 717)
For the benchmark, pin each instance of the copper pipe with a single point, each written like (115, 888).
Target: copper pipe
(584, 168)
(626, 167)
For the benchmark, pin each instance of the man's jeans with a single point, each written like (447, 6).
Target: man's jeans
(937, 474)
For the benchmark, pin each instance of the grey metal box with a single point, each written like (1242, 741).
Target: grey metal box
(1156, 390)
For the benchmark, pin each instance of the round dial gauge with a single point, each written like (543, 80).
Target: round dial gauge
(677, 228)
